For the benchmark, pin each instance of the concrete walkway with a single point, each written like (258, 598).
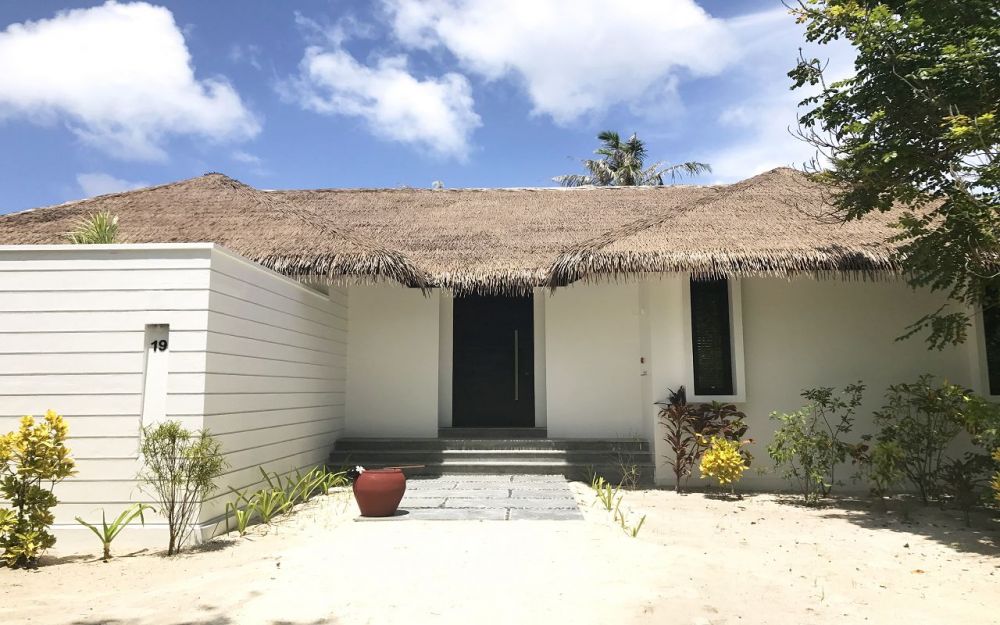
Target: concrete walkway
(490, 498)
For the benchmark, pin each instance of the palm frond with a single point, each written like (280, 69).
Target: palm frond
(572, 180)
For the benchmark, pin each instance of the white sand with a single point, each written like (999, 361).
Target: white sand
(697, 560)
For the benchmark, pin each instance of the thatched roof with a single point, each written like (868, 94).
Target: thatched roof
(777, 223)
(287, 238)
(493, 240)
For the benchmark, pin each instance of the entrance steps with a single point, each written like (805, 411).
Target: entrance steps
(497, 452)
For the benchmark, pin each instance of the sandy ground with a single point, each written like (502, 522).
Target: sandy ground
(697, 560)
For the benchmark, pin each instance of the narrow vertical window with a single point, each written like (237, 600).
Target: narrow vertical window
(711, 338)
(991, 328)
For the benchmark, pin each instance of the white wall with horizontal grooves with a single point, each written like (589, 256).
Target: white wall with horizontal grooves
(392, 362)
(275, 377)
(72, 322)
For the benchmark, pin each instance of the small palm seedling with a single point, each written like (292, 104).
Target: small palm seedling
(606, 494)
(242, 510)
(620, 517)
(270, 503)
(108, 533)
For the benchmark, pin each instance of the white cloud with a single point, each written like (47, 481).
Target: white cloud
(249, 54)
(436, 114)
(575, 57)
(246, 157)
(120, 76)
(759, 110)
(99, 183)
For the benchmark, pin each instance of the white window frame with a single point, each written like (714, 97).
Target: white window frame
(736, 344)
(980, 364)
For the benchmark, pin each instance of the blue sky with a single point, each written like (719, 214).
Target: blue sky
(97, 97)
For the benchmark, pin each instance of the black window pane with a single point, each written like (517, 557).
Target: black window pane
(710, 335)
(991, 327)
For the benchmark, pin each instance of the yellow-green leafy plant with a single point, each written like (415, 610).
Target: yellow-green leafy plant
(33, 459)
(107, 533)
(722, 461)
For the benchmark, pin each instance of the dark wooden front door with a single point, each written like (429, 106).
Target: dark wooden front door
(494, 356)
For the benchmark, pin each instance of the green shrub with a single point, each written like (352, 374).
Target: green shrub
(107, 533)
(881, 465)
(181, 469)
(807, 445)
(34, 454)
(995, 482)
(923, 419)
(962, 481)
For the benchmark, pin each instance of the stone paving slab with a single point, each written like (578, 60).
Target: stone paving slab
(544, 515)
(490, 498)
(456, 514)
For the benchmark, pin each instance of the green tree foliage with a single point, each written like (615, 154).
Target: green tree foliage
(32, 460)
(99, 228)
(180, 468)
(623, 163)
(917, 126)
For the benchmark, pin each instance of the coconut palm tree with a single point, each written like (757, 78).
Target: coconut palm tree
(622, 163)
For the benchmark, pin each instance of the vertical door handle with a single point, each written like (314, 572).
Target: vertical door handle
(516, 367)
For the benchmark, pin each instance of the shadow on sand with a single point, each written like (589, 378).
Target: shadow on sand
(910, 516)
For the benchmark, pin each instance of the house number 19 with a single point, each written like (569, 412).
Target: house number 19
(159, 345)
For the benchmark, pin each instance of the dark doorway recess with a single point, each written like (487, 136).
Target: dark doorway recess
(493, 381)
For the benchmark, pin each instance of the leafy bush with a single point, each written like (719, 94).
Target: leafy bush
(881, 465)
(181, 469)
(107, 533)
(690, 426)
(723, 462)
(807, 444)
(923, 419)
(34, 454)
(962, 481)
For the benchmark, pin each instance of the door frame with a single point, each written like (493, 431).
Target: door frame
(446, 333)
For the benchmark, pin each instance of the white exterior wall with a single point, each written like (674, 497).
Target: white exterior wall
(72, 322)
(592, 370)
(254, 357)
(802, 334)
(392, 362)
(276, 373)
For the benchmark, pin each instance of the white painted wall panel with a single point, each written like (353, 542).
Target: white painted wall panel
(592, 361)
(392, 362)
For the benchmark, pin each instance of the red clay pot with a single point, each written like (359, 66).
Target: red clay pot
(379, 491)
